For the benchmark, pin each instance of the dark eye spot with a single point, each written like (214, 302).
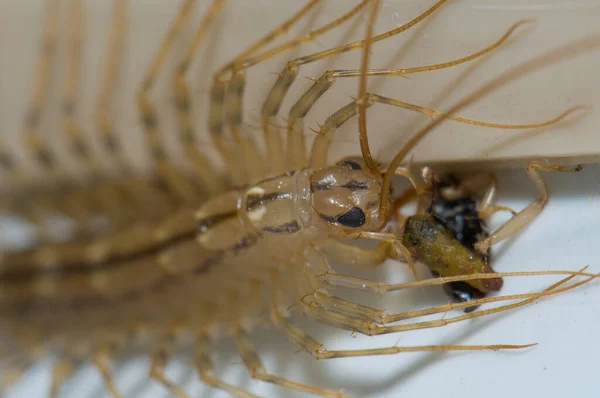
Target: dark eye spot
(353, 218)
(350, 164)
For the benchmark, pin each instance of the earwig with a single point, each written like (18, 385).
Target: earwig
(215, 253)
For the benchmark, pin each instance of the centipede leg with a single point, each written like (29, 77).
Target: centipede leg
(102, 362)
(159, 363)
(176, 183)
(370, 321)
(61, 371)
(318, 350)
(277, 162)
(13, 372)
(286, 78)
(356, 256)
(226, 102)
(205, 368)
(258, 372)
(525, 216)
(183, 106)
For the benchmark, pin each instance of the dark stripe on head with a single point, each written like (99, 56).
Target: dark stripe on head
(253, 201)
(204, 224)
(288, 228)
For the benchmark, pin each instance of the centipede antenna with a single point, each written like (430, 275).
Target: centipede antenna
(542, 61)
(362, 92)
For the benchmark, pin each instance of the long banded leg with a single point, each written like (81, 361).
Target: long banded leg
(38, 96)
(228, 98)
(322, 141)
(45, 158)
(107, 198)
(61, 371)
(364, 319)
(206, 369)
(79, 146)
(106, 90)
(369, 321)
(258, 371)
(272, 103)
(310, 97)
(134, 192)
(287, 77)
(101, 360)
(318, 351)
(525, 216)
(183, 105)
(178, 184)
(12, 372)
(218, 95)
(544, 60)
(160, 358)
(233, 99)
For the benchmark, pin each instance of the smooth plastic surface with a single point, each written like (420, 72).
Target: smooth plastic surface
(459, 28)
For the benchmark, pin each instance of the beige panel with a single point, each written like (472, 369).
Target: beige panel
(459, 28)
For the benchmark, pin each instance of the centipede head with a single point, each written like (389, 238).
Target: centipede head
(346, 197)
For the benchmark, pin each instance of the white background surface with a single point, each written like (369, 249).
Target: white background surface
(566, 327)
(565, 237)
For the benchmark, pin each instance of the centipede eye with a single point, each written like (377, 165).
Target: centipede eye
(355, 217)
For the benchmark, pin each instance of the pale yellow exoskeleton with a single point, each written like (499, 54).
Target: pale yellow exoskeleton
(259, 248)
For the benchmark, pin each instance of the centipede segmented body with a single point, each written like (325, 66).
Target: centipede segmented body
(185, 256)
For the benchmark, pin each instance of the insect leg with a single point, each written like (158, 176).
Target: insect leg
(102, 362)
(288, 75)
(175, 182)
(339, 317)
(103, 118)
(258, 372)
(356, 256)
(318, 350)
(13, 372)
(358, 312)
(79, 146)
(279, 90)
(253, 162)
(474, 184)
(61, 371)
(206, 369)
(44, 157)
(134, 191)
(159, 362)
(31, 134)
(183, 105)
(525, 216)
(322, 141)
(219, 105)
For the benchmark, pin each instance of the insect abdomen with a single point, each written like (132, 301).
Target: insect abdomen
(434, 244)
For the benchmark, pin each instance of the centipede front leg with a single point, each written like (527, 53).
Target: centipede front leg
(245, 228)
